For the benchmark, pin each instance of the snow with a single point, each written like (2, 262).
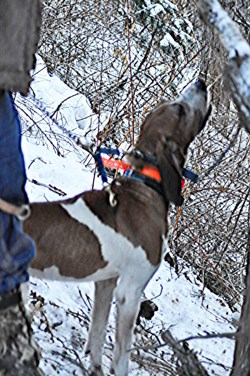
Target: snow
(74, 108)
(67, 174)
(184, 308)
(61, 310)
(156, 9)
(168, 39)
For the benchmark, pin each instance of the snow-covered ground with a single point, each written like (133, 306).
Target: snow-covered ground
(62, 316)
(61, 310)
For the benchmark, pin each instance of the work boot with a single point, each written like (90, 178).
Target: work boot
(19, 355)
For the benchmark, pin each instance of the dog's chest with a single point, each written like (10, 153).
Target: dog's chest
(119, 252)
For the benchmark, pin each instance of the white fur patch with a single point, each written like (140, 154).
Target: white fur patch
(124, 259)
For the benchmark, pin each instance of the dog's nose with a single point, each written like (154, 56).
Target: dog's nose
(196, 95)
(200, 84)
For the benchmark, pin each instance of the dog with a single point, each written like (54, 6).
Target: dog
(115, 236)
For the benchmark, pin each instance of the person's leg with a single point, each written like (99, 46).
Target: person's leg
(18, 354)
(16, 248)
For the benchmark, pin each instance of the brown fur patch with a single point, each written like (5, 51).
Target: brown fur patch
(51, 229)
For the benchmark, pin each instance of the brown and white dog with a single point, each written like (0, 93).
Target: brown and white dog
(117, 241)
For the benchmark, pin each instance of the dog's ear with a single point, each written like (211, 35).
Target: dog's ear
(170, 164)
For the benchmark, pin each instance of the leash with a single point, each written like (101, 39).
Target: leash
(21, 212)
(99, 161)
(188, 174)
(85, 146)
(118, 165)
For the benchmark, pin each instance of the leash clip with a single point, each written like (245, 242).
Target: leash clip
(21, 212)
(24, 213)
(112, 199)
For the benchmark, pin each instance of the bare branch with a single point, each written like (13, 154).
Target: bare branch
(190, 365)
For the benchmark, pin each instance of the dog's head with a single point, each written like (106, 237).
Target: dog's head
(167, 132)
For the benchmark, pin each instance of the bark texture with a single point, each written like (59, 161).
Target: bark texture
(237, 71)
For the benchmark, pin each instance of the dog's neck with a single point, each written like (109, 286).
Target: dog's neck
(139, 159)
(148, 175)
(143, 167)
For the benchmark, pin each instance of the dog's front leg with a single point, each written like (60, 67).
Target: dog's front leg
(102, 302)
(127, 294)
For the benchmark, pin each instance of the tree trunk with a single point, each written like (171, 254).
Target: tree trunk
(241, 365)
(238, 81)
(237, 72)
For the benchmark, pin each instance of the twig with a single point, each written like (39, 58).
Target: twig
(189, 363)
(52, 188)
(209, 336)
